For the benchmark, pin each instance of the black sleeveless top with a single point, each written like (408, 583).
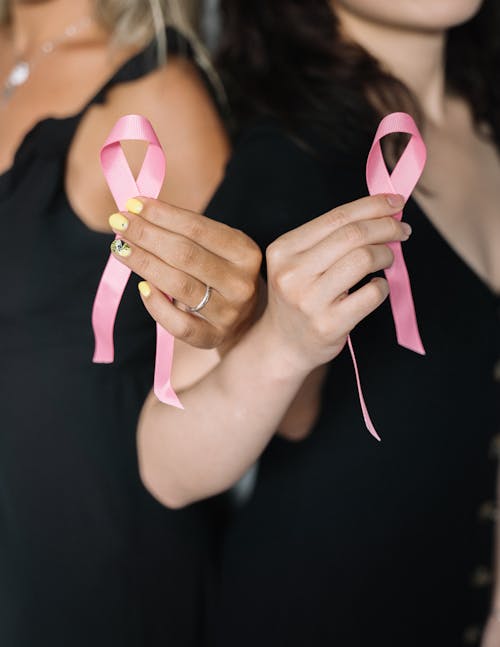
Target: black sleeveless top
(87, 557)
(347, 541)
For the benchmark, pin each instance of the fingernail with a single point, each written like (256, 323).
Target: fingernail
(144, 289)
(118, 221)
(121, 248)
(406, 228)
(396, 201)
(134, 206)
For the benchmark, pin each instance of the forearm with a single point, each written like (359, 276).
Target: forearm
(229, 417)
(304, 411)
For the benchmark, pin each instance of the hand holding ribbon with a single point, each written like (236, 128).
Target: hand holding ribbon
(115, 277)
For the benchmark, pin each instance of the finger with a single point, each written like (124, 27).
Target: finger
(349, 271)
(169, 280)
(175, 250)
(216, 237)
(184, 326)
(355, 235)
(366, 208)
(355, 307)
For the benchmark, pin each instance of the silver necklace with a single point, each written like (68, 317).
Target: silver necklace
(23, 67)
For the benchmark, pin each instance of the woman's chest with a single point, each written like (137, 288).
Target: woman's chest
(461, 198)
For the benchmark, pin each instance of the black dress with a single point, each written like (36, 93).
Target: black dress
(347, 541)
(87, 557)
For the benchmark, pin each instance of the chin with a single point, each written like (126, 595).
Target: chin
(426, 15)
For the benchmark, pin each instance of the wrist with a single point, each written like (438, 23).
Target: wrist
(282, 362)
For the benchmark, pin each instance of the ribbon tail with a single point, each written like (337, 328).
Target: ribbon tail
(107, 300)
(366, 416)
(163, 368)
(402, 305)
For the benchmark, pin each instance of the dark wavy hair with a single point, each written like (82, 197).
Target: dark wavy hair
(287, 59)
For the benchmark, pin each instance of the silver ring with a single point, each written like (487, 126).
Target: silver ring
(203, 302)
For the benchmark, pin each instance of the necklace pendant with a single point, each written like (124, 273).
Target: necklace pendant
(19, 74)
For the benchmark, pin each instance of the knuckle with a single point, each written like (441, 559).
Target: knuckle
(338, 217)
(185, 253)
(389, 256)
(275, 254)
(153, 211)
(378, 290)
(284, 281)
(364, 258)
(393, 228)
(185, 288)
(252, 254)
(143, 265)
(380, 202)
(245, 290)
(354, 233)
(140, 232)
(194, 229)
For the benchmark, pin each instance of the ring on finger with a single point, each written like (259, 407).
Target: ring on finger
(203, 302)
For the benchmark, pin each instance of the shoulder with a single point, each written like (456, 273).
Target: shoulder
(175, 89)
(174, 99)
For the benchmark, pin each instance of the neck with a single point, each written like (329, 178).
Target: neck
(34, 22)
(415, 58)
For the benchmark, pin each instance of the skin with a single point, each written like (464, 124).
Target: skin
(175, 100)
(164, 252)
(463, 168)
(409, 37)
(308, 313)
(231, 414)
(458, 156)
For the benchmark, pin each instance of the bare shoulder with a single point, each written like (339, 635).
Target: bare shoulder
(174, 98)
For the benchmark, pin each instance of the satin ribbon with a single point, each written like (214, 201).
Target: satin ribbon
(115, 277)
(402, 180)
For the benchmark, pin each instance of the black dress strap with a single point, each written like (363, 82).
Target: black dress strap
(52, 136)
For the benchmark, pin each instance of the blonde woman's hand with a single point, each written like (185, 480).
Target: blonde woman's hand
(312, 270)
(198, 262)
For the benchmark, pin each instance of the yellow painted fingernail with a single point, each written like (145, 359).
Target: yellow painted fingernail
(144, 289)
(121, 248)
(117, 221)
(134, 206)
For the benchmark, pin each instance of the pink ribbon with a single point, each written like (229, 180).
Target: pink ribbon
(402, 180)
(116, 275)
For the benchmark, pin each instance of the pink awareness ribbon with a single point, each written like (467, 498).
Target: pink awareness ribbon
(402, 180)
(115, 277)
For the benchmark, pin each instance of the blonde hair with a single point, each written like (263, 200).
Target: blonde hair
(137, 22)
(132, 22)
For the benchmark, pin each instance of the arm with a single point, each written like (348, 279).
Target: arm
(304, 411)
(232, 413)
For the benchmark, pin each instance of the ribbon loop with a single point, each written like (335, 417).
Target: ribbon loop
(402, 180)
(115, 277)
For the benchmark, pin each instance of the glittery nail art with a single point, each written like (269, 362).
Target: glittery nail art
(121, 248)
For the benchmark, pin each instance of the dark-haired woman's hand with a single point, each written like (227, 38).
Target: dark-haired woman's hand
(311, 271)
(209, 270)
